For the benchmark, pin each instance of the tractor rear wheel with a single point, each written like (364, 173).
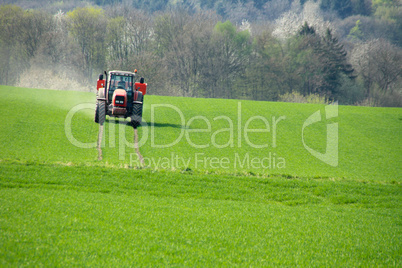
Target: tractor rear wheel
(100, 105)
(136, 117)
(101, 112)
(97, 112)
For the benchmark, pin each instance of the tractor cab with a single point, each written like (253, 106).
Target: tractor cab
(121, 80)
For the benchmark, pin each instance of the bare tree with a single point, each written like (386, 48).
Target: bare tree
(88, 25)
(378, 63)
(35, 25)
(11, 18)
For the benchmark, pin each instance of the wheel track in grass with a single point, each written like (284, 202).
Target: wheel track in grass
(102, 117)
(100, 134)
(137, 149)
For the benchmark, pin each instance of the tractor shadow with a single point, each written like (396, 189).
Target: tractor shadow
(117, 121)
(122, 121)
(159, 125)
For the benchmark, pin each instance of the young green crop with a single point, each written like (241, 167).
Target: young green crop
(54, 215)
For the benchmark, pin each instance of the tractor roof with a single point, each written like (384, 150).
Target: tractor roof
(122, 73)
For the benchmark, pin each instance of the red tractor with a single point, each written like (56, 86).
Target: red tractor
(118, 95)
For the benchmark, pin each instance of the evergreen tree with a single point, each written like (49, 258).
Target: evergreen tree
(334, 59)
(307, 30)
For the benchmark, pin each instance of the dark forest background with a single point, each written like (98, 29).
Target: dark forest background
(278, 50)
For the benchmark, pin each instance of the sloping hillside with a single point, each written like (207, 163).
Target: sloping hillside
(216, 135)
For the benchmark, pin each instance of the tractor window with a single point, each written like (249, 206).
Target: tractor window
(121, 82)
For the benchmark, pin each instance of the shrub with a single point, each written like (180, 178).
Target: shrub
(295, 96)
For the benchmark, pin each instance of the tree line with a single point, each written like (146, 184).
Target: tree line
(300, 56)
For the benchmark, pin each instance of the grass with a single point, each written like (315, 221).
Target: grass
(55, 215)
(60, 206)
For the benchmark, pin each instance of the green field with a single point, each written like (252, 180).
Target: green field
(225, 182)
